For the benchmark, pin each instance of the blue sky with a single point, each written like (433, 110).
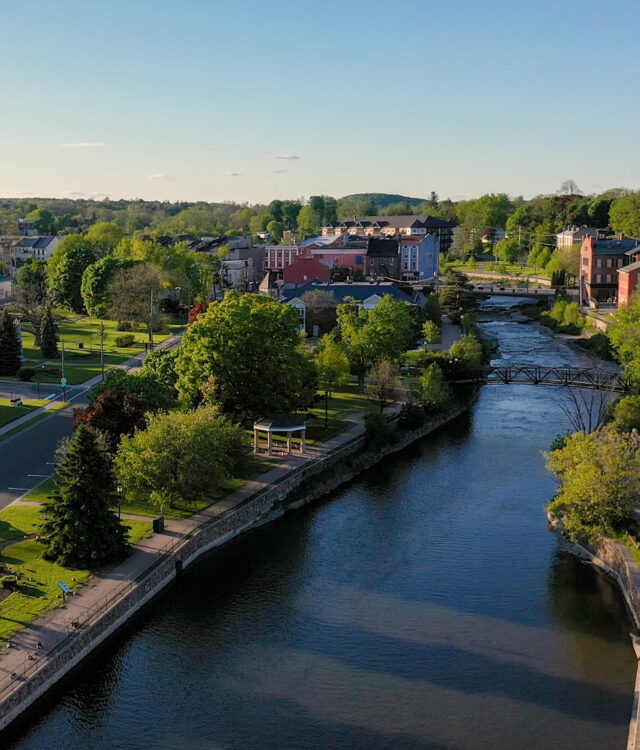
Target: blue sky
(195, 99)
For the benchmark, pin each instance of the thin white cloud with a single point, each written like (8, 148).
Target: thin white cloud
(279, 171)
(80, 194)
(83, 144)
(233, 174)
(158, 176)
(290, 157)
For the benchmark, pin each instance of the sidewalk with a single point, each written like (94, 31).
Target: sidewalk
(34, 640)
(450, 333)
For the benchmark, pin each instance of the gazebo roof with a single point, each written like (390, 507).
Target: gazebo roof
(280, 423)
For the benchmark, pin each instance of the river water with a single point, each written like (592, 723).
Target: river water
(425, 605)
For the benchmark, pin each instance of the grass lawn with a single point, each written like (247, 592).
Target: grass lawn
(10, 413)
(511, 269)
(81, 336)
(42, 592)
(346, 400)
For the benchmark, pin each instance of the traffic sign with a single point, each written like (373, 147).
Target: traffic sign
(63, 382)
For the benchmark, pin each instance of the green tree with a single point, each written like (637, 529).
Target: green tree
(32, 294)
(275, 229)
(181, 457)
(65, 277)
(468, 349)
(44, 220)
(105, 236)
(134, 293)
(434, 392)
(624, 214)
(248, 349)
(332, 366)
(455, 296)
(599, 478)
(48, 333)
(369, 335)
(508, 250)
(308, 221)
(431, 332)
(95, 284)
(162, 364)
(625, 337)
(10, 349)
(148, 386)
(627, 414)
(80, 529)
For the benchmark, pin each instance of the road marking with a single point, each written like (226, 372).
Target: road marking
(46, 476)
(19, 489)
(50, 396)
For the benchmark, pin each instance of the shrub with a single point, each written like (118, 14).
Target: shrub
(411, 416)
(124, 325)
(126, 340)
(627, 413)
(378, 432)
(9, 582)
(25, 373)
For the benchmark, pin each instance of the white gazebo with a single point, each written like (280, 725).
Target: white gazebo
(284, 424)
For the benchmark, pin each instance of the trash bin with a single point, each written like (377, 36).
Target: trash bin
(158, 525)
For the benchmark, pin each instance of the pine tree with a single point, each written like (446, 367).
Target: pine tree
(48, 333)
(10, 349)
(80, 529)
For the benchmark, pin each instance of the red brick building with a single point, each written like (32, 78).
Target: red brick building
(627, 282)
(600, 261)
(306, 269)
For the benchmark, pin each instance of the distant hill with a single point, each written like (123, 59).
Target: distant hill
(383, 199)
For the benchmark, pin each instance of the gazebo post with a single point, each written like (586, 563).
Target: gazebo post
(302, 441)
(269, 442)
(256, 440)
(288, 443)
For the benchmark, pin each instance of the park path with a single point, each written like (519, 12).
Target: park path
(33, 641)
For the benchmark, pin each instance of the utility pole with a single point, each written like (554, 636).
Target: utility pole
(102, 348)
(151, 311)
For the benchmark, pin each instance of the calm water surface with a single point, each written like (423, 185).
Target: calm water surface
(426, 605)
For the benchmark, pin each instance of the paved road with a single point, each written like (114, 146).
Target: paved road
(27, 458)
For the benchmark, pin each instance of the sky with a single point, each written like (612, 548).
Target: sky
(250, 101)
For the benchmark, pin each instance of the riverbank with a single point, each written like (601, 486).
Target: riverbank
(68, 635)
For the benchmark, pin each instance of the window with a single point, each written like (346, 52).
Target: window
(609, 262)
(609, 278)
(598, 278)
(585, 261)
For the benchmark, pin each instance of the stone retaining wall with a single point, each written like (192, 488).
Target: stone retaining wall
(259, 508)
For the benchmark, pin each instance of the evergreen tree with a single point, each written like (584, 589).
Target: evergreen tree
(10, 348)
(48, 333)
(80, 529)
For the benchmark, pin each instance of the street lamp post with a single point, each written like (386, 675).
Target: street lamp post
(119, 491)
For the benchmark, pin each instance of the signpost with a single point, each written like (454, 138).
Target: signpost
(63, 383)
(66, 591)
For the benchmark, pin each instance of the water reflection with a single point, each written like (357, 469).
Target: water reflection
(425, 605)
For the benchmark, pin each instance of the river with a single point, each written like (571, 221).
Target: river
(425, 605)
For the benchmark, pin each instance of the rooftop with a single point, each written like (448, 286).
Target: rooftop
(614, 247)
(359, 290)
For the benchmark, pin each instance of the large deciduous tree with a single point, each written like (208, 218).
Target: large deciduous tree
(368, 335)
(599, 478)
(65, 274)
(80, 529)
(134, 295)
(32, 293)
(624, 214)
(625, 337)
(181, 457)
(245, 354)
(95, 284)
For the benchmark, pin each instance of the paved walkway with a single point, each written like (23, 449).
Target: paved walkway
(34, 640)
(450, 333)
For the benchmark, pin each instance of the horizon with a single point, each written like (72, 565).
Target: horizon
(207, 102)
